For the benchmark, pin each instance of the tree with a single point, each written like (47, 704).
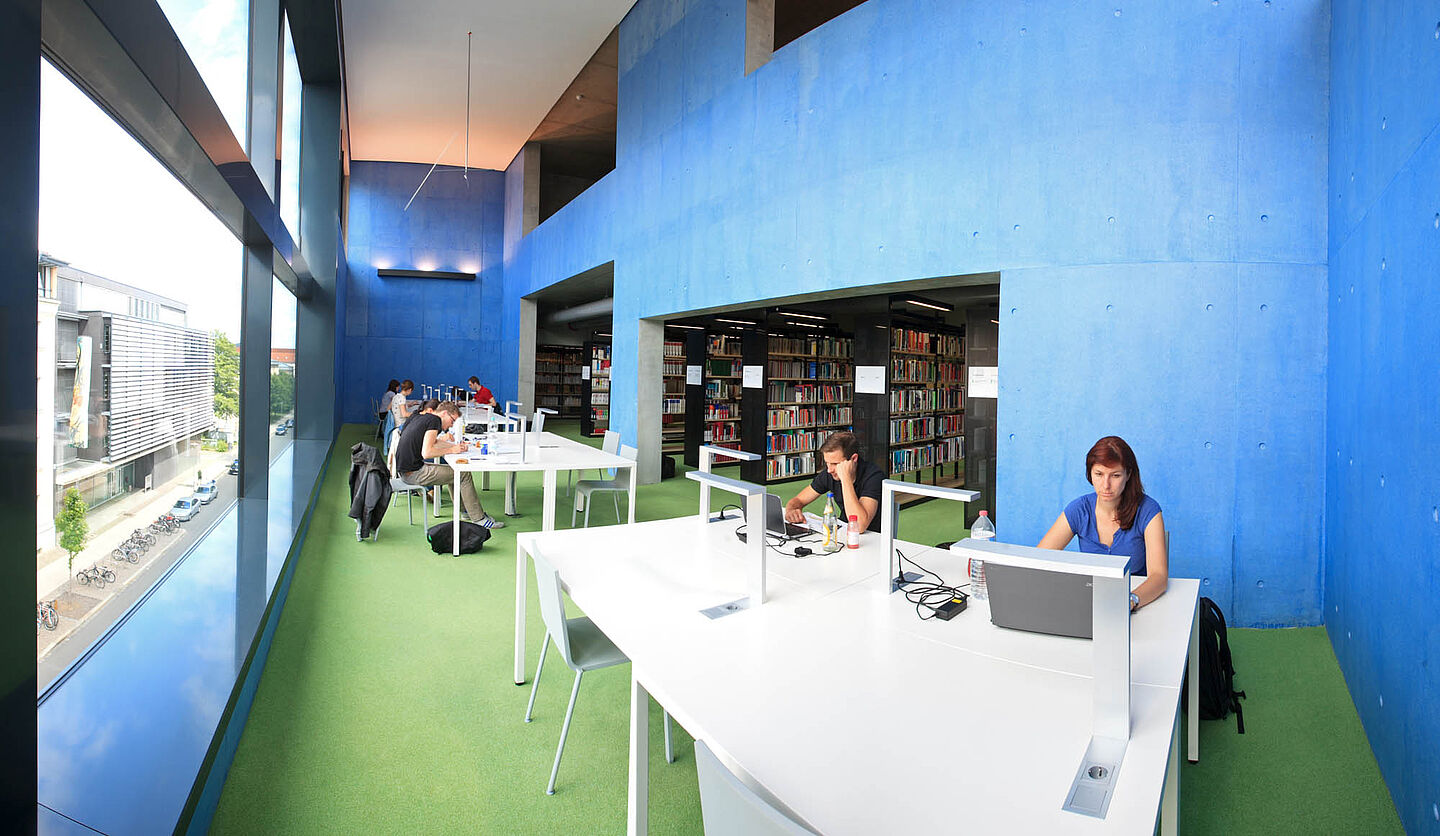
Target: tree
(282, 394)
(73, 527)
(227, 376)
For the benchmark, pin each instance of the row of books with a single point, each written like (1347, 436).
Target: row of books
(951, 424)
(722, 432)
(949, 373)
(722, 344)
(672, 406)
(674, 368)
(950, 450)
(787, 417)
(719, 390)
(926, 400)
(910, 339)
(949, 345)
(785, 467)
(558, 380)
(600, 398)
(814, 369)
(907, 459)
(911, 370)
(721, 411)
(907, 430)
(674, 348)
(801, 441)
(723, 368)
(809, 392)
(839, 347)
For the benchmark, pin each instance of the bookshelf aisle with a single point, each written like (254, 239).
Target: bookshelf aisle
(809, 389)
(926, 420)
(557, 379)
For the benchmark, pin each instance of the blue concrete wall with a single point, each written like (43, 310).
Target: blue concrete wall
(1382, 568)
(1159, 160)
(429, 330)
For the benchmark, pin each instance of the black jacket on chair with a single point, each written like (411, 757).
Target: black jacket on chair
(369, 488)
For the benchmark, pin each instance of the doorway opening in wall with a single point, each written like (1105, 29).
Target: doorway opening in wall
(575, 142)
(909, 368)
(570, 348)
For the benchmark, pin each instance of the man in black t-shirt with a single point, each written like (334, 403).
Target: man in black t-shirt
(854, 481)
(420, 440)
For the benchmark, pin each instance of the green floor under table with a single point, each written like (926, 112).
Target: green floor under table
(386, 705)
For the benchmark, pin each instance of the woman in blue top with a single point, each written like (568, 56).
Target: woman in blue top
(1118, 518)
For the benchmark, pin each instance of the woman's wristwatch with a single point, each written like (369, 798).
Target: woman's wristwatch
(1134, 602)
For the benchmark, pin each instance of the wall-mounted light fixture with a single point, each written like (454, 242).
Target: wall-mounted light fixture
(425, 274)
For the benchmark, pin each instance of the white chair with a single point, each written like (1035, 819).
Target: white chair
(398, 486)
(581, 645)
(730, 807)
(610, 444)
(586, 489)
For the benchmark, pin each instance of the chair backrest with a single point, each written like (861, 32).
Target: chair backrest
(628, 452)
(552, 604)
(537, 422)
(611, 444)
(729, 805)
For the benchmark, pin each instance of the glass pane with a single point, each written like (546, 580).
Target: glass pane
(290, 140)
(138, 314)
(282, 366)
(216, 34)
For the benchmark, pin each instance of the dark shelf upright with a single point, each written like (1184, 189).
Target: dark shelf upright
(754, 351)
(694, 398)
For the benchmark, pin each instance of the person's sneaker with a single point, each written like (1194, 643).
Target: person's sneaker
(491, 522)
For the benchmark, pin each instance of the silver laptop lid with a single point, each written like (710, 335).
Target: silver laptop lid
(1057, 603)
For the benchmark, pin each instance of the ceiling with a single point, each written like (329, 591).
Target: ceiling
(405, 73)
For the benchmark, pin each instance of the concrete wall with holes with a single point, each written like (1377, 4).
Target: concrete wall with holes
(430, 330)
(1149, 178)
(1382, 520)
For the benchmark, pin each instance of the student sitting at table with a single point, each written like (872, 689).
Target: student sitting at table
(420, 440)
(390, 389)
(854, 481)
(1118, 518)
(400, 409)
(480, 395)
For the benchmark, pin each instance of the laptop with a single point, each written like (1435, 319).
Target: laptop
(1037, 601)
(775, 520)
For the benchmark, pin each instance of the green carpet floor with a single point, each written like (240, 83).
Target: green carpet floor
(387, 707)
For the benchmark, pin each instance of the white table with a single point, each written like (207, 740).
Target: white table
(861, 718)
(549, 453)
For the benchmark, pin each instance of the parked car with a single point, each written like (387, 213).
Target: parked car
(279, 429)
(235, 468)
(290, 423)
(185, 509)
(207, 492)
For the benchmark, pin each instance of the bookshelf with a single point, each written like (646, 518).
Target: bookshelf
(925, 432)
(596, 390)
(809, 389)
(672, 407)
(722, 377)
(557, 379)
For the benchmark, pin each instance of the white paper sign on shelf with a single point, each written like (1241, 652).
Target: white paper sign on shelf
(870, 380)
(692, 376)
(753, 377)
(984, 382)
(584, 372)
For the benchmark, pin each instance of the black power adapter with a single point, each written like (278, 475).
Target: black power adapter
(951, 608)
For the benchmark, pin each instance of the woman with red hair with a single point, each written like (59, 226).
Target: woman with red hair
(1118, 518)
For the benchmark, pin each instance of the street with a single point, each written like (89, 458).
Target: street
(57, 649)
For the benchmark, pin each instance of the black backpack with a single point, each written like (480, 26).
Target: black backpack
(1218, 697)
(472, 537)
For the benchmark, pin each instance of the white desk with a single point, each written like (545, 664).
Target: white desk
(860, 717)
(550, 454)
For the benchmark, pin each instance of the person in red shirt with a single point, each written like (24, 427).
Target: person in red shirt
(481, 395)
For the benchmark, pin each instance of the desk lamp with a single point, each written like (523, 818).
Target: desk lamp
(890, 491)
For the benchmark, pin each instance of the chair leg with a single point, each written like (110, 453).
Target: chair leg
(573, 509)
(544, 646)
(410, 506)
(587, 510)
(615, 496)
(669, 749)
(564, 732)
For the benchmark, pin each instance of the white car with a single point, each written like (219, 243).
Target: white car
(185, 509)
(206, 493)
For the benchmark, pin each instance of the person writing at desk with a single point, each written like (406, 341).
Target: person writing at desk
(855, 482)
(1118, 518)
(480, 395)
(420, 440)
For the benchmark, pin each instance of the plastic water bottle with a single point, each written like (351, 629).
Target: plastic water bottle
(852, 532)
(831, 528)
(983, 529)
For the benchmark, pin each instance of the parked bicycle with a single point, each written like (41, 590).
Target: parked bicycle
(142, 536)
(46, 616)
(97, 575)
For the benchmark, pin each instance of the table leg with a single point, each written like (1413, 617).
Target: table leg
(547, 517)
(1170, 801)
(639, 816)
(454, 501)
(1193, 749)
(510, 494)
(521, 578)
(633, 479)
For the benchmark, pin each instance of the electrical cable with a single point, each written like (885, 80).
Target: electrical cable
(929, 596)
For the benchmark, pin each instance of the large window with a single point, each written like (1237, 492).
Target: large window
(216, 34)
(290, 103)
(137, 374)
(282, 366)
